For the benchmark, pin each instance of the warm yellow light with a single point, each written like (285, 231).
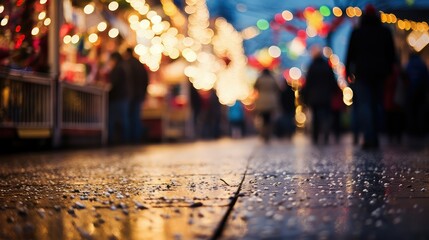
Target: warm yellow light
(384, 17)
(42, 15)
(93, 37)
(133, 18)
(149, 34)
(327, 52)
(350, 11)
(144, 24)
(47, 22)
(4, 21)
(43, 1)
(35, 31)
(114, 32)
(348, 93)
(170, 9)
(407, 25)
(358, 11)
(143, 10)
(300, 118)
(335, 60)
(401, 24)
(156, 19)
(151, 14)
(102, 26)
(67, 39)
(420, 27)
(113, 6)
(1, 8)
(158, 28)
(174, 53)
(156, 40)
(141, 49)
(250, 32)
(187, 42)
(191, 71)
(88, 9)
(189, 55)
(156, 49)
(337, 12)
(75, 39)
(190, 9)
(392, 18)
(287, 15)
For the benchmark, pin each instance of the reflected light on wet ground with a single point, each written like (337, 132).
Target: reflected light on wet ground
(298, 190)
(291, 189)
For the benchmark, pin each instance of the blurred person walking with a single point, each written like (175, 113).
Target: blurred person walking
(285, 124)
(119, 98)
(139, 80)
(370, 57)
(418, 79)
(236, 119)
(267, 102)
(394, 101)
(317, 93)
(196, 104)
(337, 106)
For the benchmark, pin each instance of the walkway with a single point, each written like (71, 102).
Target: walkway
(226, 189)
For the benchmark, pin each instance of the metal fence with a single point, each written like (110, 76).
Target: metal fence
(83, 108)
(34, 107)
(26, 100)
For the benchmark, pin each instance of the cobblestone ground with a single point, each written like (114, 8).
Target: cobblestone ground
(227, 189)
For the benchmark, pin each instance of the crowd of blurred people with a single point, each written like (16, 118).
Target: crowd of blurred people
(388, 97)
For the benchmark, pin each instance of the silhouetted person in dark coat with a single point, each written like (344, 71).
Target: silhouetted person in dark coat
(285, 125)
(370, 58)
(418, 79)
(317, 93)
(119, 98)
(139, 79)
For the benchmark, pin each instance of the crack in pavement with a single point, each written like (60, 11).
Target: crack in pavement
(222, 224)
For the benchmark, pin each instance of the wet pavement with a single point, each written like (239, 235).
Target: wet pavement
(226, 189)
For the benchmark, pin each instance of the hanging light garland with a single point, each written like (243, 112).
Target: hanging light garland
(204, 64)
(233, 84)
(155, 37)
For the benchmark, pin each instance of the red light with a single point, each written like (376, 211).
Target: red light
(18, 28)
(302, 34)
(309, 9)
(279, 18)
(19, 3)
(286, 74)
(19, 41)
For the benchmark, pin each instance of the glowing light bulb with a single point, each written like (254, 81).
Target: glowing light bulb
(93, 37)
(35, 31)
(102, 26)
(113, 33)
(113, 6)
(88, 9)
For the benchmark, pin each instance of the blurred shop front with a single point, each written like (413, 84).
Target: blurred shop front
(27, 72)
(54, 67)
